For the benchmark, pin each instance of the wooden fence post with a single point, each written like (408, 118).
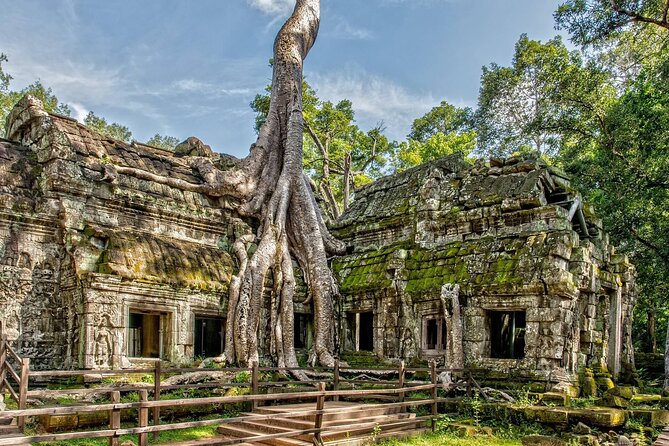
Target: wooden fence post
(254, 383)
(335, 383)
(401, 381)
(3, 359)
(115, 418)
(469, 384)
(318, 423)
(433, 373)
(23, 391)
(143, 438)
(157, 372)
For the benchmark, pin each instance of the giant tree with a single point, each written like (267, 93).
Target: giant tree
(338, 156)
(270, 187)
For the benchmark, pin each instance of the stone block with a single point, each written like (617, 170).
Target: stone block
(547, 415)
(543, 314)
(607, 418)
(55, 423)
(659, 418)
(554, 399)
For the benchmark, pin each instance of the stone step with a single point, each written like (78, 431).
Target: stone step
(334, 432)
(235, 431)
(208, 441)
(294, 423)
(353, 412)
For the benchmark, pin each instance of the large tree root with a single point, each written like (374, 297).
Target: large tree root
(271, 188)
(291, 225)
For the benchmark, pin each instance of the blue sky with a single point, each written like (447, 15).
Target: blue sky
(191, 67)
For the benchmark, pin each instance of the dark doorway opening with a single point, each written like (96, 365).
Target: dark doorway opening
(360, 331)
(302, 330)
(507, 334)
(209, 336)
(144, 335)
(366, 333)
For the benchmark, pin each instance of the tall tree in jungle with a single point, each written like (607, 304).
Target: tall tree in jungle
(626, 167)
(546, 94)
(444, 130)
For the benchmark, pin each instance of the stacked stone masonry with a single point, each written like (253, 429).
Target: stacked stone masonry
(99, 265)
(522, 248)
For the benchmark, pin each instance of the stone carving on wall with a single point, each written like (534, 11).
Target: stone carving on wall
(15, 286)
(104, 343)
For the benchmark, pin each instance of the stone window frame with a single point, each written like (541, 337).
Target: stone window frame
(167, 317)
(441, 335)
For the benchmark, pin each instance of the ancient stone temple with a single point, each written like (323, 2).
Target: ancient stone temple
(497, 265)
(99, 267)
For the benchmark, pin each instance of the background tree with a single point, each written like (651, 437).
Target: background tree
(626, 169)
(338, 156)
(8, 97)
(545, 95)
(444, 130)
(112, 130)
(163, 142)
(592, 22)
(624, 165)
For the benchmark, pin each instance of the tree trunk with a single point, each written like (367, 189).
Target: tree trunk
(291, 225)
(325, 189)
(652, 330)
(347, 180)
(450, 294)
(666, 362)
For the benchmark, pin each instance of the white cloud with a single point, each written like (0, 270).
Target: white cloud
(80, 111)
(273, 7)
(202, 87)
(345, 31)
(375, 99)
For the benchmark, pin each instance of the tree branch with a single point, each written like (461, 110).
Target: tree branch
(636, 17)
(652, 246)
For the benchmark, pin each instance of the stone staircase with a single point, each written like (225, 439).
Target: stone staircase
(9, 429)
(349, 424)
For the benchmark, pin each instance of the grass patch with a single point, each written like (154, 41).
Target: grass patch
(448, 439)
(195, 433)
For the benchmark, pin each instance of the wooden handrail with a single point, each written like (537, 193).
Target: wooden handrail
(15, 376)
(11, 351)
(11, 390)
(68, 410)
(111, 433)
(144, 406)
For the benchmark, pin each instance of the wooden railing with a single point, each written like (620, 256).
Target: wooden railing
(397, 395)
(114, 432)
(13, 381)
